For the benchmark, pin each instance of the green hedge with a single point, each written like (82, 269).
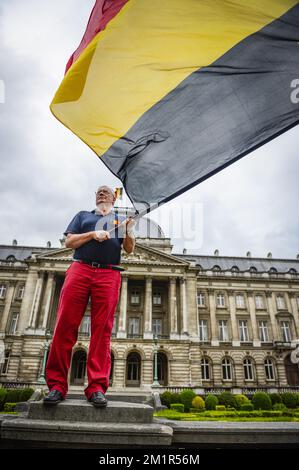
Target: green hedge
(186, 397)
(211, 402)
(261, 401)
(167, 398)
(3, 393)
(275, 398)
(177, 407)
(220, 408)
(227, 399)
(290, 400)
(8, 407)
(247, 407)
(14, 395)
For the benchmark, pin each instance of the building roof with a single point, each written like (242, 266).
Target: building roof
(242, 263)
(21, 253)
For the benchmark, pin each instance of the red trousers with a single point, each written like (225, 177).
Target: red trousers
(103, 286)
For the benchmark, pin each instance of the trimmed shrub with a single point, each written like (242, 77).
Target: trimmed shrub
(261, 401)
(241, 400)
(13, 395)
(198, 403)
(165, 398)
(289, 399)
(177, 407)
(227, 399)
(220, 408)
(186, 397)
(275, 398)
(8, 407)
(211, 401)
(3, 394)
(247, 407)
(279, 406)
(25, 394)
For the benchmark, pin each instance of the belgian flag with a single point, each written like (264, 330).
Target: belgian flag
(169, 92)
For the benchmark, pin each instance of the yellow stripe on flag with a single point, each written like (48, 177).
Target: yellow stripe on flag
(144, 53)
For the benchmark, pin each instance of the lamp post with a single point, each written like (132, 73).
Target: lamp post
(155, 348)
(42, 378)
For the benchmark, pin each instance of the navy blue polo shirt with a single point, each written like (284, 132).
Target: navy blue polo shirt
(107, 251)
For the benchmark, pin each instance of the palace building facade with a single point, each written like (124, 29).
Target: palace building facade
(206, 322)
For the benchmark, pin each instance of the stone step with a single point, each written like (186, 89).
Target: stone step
(63, 434)
(81, 410)
(146, 399)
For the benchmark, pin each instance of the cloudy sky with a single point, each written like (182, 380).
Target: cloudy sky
(47, 174)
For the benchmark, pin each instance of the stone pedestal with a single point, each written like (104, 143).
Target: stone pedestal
(77, 423)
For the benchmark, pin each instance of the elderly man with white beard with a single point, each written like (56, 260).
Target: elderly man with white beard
(95, 274)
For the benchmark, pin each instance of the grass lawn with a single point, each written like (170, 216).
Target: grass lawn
(229, 416)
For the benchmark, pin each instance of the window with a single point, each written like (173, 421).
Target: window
(216, 270)
(157, 326)
(285, 331)
(6, 363)
(253, 271)
(13, 323)
(205, 369)
(273, 272)
(135, 297)
(240, 301)
(20, 292)
(133, 326)
(2, 291)
(293, 273)
(280, 302)
(203, 330)
(243, 330)
(269, 369)
(263, 330)
(85, 325)
(235, 271)
(223, 333)
(259, 302)
(226, 369)
(10, 260)
(220, 300)
(248, 369)
(200, 299)
(157, 298)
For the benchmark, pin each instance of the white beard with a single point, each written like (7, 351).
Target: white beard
(103, 208)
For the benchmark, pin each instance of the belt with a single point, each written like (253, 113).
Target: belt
(94, 264)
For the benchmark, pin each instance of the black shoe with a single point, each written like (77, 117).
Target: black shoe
(53, 397)
(98, 400)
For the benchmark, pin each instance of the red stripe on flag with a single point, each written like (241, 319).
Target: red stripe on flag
(102, 12)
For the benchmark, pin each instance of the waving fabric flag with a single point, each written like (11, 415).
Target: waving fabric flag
(169, 92)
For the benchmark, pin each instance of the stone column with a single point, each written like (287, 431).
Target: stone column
(255, 334)
(274, 326)
(122, 321)
(50, 287)
(291, 297)
(214, 329)
(173, 310)
(233, 319)
(192, 309)
(27, 300)
(8, 301)
(184, 308)
(36, 301)
(147, 327)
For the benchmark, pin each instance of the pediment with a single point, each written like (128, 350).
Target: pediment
(142, 255)
(146, 255)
